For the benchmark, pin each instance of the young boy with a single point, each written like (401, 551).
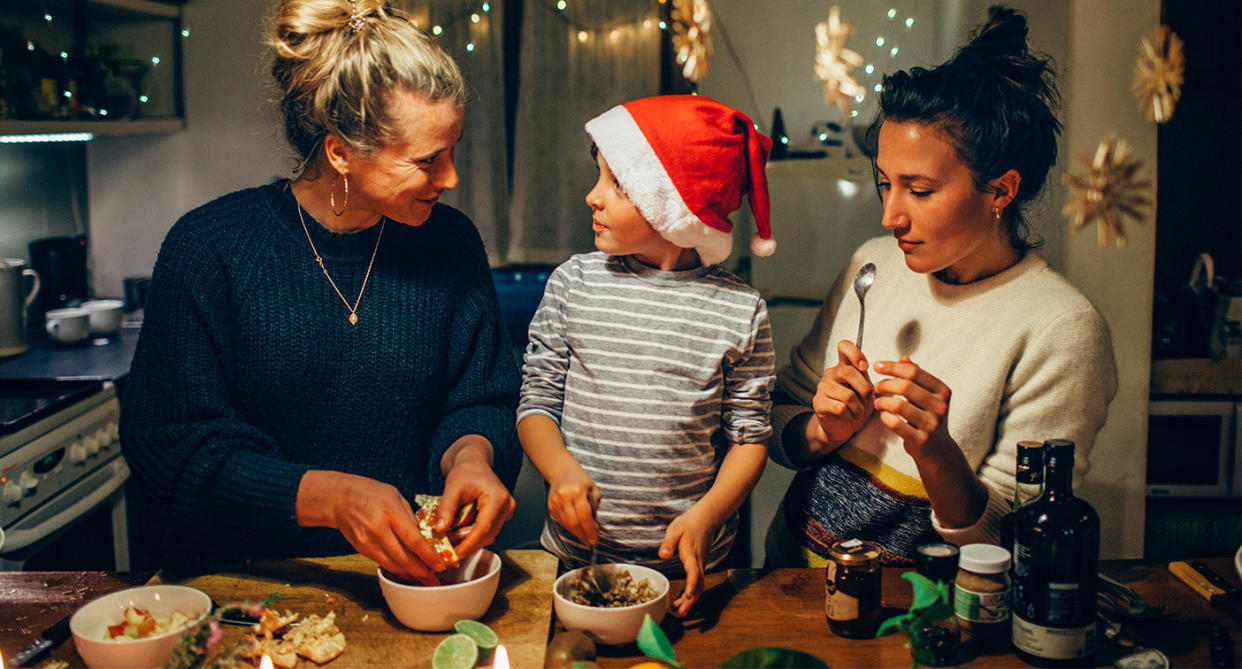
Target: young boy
(645, 401)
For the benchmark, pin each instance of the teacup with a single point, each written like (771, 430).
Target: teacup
(105, 315)
(67, 326)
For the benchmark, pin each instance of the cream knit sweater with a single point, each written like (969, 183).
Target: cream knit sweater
(1025, 355)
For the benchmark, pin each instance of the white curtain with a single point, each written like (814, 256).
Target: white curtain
(575, 64)
(478, 48)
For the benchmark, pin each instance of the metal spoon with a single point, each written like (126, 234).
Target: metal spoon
(862, 283)
(594, 573)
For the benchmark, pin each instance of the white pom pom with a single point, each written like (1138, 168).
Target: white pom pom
(762, 247)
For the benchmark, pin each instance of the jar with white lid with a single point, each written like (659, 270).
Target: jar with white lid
(982, 590)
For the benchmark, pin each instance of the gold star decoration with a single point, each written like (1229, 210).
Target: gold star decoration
(1109, 193)
(1159, 73)
(692, 37)
(834, 62)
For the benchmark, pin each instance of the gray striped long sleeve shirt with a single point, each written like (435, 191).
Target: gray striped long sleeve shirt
(651, 375)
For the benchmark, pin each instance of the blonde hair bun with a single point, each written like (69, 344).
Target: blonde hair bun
(336, 62)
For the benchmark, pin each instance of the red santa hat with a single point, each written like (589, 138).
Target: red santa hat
(685, 161)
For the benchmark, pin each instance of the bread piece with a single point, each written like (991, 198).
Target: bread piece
(426, 516)
(280, 651)
(317, 639)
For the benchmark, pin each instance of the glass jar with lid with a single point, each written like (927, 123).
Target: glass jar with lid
(852, 589)
(982, 593)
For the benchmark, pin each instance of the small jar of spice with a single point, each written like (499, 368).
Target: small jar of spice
(852, 589)
(982, 593)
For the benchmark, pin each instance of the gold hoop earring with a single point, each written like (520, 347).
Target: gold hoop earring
(332, 195)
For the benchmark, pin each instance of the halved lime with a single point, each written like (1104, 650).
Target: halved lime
(483, 635)
(455, 652)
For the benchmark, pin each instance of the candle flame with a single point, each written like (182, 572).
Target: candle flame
(266, 662)
(502, 658)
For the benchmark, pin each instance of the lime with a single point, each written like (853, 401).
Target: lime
(483, 635)
(455, 652)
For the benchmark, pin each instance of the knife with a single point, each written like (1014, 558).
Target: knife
(48, 639)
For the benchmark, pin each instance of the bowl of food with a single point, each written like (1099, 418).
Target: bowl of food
(465, 591)
(613, 616)
(138, 627)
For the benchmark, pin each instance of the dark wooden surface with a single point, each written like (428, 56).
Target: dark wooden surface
(745, 608)
(785, 607)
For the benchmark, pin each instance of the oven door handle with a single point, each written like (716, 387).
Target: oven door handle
(18, 537)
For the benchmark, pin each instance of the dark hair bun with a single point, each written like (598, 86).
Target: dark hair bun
(1002, 36)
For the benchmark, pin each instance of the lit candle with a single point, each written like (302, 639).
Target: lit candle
(502, 658)
(266, 662)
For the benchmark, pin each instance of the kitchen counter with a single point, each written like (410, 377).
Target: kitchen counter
(107, 360)
(741, 608)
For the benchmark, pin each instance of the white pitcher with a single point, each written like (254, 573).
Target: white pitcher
(15, 299)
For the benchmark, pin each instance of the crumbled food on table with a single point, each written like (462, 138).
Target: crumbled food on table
(622, 591)
(140, 624)
(271, 622)
(314, 638)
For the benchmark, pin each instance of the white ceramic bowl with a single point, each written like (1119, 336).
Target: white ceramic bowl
(105, 315)
(612, 626)
(89, 625)
(465, 592)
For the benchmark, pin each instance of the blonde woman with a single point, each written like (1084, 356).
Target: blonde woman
(318, 350)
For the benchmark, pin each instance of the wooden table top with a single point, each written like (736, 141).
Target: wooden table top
(785, 607)
(743, 608)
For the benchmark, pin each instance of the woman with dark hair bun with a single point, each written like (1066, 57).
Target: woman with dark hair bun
(963, 307)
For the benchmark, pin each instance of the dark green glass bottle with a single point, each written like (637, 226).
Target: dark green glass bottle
(1056, 556)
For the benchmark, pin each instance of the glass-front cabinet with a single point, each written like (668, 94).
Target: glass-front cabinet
(106, 67)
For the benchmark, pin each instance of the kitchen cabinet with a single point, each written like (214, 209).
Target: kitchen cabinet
(107, 67)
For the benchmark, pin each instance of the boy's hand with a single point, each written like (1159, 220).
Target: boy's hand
(572, 500)
(689, 534)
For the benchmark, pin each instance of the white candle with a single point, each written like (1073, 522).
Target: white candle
(502, 658)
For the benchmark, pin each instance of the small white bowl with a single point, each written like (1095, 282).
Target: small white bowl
(465, 592)
(105, 315)
(90, 625)
(611, 626)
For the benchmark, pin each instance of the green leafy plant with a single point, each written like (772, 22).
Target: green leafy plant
(654, 644)
(928, 643)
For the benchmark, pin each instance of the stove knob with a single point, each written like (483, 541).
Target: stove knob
(29, 483)
(12, 493)
(114, 431)
(92, 445)
(104, 437)
(77, 453)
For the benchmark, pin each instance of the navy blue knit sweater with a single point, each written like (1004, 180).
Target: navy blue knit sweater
(248, 373)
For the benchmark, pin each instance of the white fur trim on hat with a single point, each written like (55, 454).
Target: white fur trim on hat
(647, 184)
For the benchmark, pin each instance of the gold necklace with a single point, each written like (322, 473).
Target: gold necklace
(353, 311)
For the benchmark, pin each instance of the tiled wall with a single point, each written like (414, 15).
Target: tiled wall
(42, 194)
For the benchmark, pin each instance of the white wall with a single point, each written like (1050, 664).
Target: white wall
(139, 186)
(1103, 42)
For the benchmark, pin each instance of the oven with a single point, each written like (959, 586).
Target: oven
(61, 472)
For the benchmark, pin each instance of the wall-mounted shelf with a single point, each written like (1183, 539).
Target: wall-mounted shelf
(1196, 376)
(145, 126)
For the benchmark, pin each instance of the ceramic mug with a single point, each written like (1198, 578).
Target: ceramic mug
(67, 326)
(105, 315)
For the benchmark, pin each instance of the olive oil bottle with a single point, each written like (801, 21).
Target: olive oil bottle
(1056, 555)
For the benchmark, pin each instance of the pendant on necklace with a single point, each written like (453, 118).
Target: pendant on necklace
(353, 318)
